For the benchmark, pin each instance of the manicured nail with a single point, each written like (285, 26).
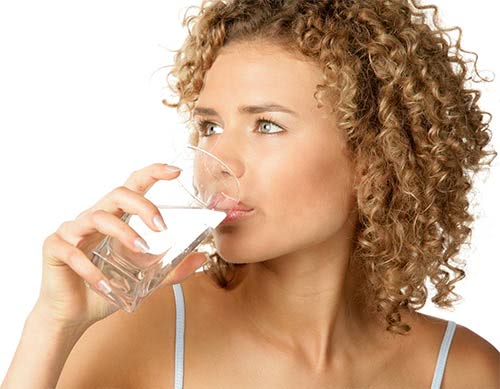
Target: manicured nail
(141, 245)
(173, 169)
(104, 287)
(159, 223)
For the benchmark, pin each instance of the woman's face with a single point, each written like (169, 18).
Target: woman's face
(294, 173)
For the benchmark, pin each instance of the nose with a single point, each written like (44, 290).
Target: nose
(228, 152)
(221, 177)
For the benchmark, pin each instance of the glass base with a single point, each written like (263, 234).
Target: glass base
(130, 284)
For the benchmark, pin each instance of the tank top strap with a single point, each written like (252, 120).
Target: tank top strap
(179, 336)
(443, 355)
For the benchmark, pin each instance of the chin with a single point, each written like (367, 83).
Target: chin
(239, 255)
(235, 253)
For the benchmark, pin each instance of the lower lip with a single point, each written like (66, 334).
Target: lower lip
(234, 216)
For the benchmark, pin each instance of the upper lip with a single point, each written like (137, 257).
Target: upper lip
(221, 201)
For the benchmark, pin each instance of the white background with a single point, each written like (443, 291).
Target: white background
(80, 109)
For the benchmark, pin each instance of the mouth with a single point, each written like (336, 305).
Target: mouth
(235, 215)
(221, 201)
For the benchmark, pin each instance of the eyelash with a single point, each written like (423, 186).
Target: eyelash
(200, 126)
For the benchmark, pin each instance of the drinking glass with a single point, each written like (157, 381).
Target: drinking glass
(192, 205)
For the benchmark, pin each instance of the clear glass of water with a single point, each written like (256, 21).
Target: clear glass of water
(192, 205)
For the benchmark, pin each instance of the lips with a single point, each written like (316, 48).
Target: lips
(235, 216)
(221, 201)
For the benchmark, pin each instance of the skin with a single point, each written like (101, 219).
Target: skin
(292, 321)
(297, 292)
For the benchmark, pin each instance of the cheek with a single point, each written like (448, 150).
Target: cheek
(301, 205)
(317, 197)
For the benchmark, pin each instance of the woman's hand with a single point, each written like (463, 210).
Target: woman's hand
(64, 299)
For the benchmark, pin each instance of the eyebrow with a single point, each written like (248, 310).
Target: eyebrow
(248, 109)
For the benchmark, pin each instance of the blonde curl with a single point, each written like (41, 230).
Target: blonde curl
(398, 90)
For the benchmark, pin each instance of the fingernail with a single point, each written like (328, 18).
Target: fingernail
(104, 287)
(172, 169)
(141, 245)
(159, 223)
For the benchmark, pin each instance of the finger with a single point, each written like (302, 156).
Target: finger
(123, 199)
(58, 252)
(74, 232)
(139, 182)
(142, 180)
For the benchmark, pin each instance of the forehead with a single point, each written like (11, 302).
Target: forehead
(256, 72)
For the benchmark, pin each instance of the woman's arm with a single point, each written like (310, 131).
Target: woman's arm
(41, 353)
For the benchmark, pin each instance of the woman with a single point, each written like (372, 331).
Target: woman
(352, 136)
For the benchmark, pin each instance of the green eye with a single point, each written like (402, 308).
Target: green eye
(269, 125)
(204, 126)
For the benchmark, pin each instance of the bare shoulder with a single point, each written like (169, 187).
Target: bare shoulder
(122, 349)
(473, 362)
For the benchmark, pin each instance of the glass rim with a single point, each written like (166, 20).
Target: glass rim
(205, 205)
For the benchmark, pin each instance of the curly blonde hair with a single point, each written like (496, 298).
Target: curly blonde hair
(415, 132)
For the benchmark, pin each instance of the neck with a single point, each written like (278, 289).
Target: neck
(304, 304)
